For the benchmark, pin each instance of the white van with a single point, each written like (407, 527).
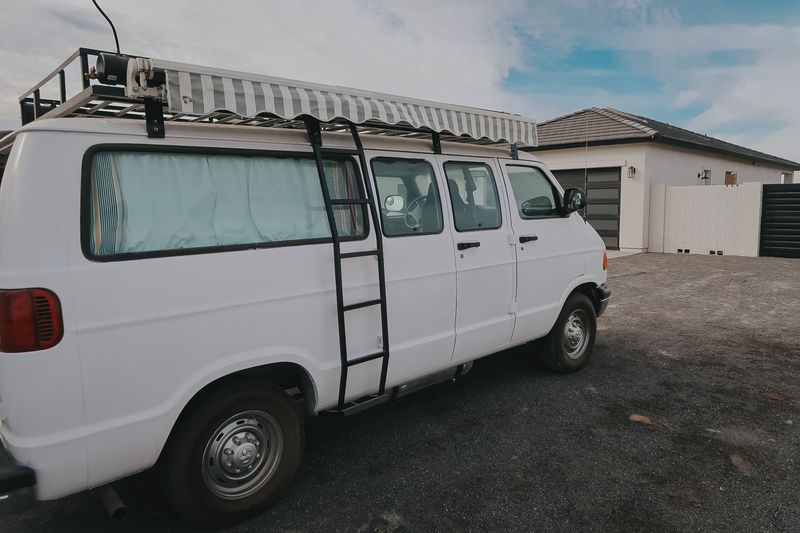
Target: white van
(181, 291)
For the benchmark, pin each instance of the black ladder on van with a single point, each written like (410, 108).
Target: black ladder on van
(320, 152)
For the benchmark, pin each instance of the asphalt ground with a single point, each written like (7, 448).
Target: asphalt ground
(703, 351)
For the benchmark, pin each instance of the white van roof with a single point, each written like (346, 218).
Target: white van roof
(193, 93)
(211, 133)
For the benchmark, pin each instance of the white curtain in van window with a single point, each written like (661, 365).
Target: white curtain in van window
(176, 201)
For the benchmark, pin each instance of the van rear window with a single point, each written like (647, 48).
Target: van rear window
(143, 202)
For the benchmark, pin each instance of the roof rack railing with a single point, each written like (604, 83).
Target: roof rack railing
(33, 106)
(122, 86)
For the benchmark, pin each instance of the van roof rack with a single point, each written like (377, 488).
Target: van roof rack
(122, 86)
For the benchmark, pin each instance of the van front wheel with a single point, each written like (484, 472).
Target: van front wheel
(569, 344)
(233, 454)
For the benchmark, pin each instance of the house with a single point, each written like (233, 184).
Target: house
(615, 157)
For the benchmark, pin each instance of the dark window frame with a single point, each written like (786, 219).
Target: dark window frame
(558, 197)
(434, 181)
(496, 193)
(85, 208)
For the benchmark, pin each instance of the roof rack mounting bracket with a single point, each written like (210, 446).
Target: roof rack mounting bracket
(154, 117)
(437, 143)
(314, 130)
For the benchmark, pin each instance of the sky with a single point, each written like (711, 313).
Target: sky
(729, 69)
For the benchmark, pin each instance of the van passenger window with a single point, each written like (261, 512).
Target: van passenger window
(408, 196)
(343, 183)
(154, 202)
(535, 195)
(473, 195)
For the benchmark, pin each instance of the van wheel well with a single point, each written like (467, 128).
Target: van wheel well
(589, 289)
(291, 377)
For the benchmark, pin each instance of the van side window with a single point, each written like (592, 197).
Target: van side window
(535, 195)
(408, 196)
(473, 195)
(142, 202)
(343, 182)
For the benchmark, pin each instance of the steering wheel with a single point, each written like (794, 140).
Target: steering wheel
(409, 215)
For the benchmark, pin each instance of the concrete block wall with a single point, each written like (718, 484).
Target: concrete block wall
(705, 218)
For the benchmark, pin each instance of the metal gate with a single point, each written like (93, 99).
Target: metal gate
(780, 221)
(602, 198)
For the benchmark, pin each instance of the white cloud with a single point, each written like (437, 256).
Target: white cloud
(451, 51)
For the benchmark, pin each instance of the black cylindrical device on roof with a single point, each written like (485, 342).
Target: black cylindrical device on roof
(112, 69)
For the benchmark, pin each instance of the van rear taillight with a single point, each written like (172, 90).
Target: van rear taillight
(30, 319)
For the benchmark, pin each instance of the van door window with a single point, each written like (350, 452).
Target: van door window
(473, 195)
(534, 194)
(408, 196)
(159, 203)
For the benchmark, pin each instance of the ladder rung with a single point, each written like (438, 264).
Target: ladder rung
(349, 201)
(348, 255)
(359, 305)
(365, 358)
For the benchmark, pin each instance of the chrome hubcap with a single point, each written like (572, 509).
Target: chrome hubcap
(242, 455)
(576, 335)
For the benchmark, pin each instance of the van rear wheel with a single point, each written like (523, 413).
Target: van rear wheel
(233, 454)
(568, 346)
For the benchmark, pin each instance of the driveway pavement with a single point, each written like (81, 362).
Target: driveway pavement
(686, 419)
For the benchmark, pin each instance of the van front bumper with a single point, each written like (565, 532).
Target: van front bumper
(17, 484)
(603, 294)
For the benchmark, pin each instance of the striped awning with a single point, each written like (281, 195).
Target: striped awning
(200, 90)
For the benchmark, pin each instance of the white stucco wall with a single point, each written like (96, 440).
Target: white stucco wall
(675, 165)
(655, 163)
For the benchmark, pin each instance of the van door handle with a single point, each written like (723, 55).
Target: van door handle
(528, 238)
(470, 244)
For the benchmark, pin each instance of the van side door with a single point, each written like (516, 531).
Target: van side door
(419, 263)
(548, 246)
(484, 257)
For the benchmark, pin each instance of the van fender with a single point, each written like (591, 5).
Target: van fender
(583, 279)
(228, 366)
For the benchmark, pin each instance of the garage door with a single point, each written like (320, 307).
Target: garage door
(780, 221)
(602, 198)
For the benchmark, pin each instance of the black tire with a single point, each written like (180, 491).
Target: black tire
(553, 349)
(189, 461)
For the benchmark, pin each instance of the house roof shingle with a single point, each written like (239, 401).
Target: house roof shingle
(598, 126)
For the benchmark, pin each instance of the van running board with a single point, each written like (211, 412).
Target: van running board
(362, 404)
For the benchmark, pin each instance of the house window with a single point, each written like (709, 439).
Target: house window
(787, 178)
(730, 178)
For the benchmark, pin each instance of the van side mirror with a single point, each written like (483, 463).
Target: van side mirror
(574, 199)
(394, 203)
(539, 206)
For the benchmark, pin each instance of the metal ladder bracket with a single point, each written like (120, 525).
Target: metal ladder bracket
(154, 118)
